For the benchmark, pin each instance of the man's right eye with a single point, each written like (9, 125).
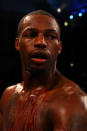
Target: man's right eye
(33, 35)
(30, 35)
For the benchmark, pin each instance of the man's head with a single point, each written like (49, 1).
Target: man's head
(38, 40)
(37, 12)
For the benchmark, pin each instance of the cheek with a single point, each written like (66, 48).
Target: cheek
(54, 49)
(25, 45)
(23, 51)
(26, 42)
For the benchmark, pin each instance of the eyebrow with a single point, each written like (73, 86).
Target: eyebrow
(34, 29)
(53, 30)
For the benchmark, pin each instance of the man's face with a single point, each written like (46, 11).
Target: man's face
(39, 42)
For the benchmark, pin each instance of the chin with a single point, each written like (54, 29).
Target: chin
(36, 70)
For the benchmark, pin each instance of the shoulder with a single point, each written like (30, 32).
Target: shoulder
(8, 93)
(69, 95)
(73, 92)
(69, 87)
(75, 95)
(68, 103)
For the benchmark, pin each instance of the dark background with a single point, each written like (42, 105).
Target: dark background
(72, 62)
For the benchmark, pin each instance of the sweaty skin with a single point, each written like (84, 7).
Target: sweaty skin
(60, 109)
(45, 100)
(31, 110)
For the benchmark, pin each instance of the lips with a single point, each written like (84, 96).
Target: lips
(39, 60)
(39, 57)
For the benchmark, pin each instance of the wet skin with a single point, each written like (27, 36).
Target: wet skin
(60, 109)
(45, 100)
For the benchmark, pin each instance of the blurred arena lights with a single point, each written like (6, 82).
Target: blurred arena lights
(59, 10)
(71, 17)
(83, 10)
(71, 64)
(66, 23)
(80, 14)
(74, 15)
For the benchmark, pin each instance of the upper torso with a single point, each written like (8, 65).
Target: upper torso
(26, 112)
(59, 109)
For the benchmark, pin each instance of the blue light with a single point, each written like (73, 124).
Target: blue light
(80, 14)
(71, 17)
(83, 10)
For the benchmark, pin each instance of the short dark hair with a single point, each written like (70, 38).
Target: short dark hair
(36, 12)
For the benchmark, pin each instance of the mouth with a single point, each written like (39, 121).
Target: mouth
(39, 58)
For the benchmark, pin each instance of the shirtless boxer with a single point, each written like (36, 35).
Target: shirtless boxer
(45, 100)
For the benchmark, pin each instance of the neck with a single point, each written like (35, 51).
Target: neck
(44, 79)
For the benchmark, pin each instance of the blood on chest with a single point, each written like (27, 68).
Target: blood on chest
(26, 114)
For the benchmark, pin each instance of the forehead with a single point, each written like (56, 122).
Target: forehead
(40, 22)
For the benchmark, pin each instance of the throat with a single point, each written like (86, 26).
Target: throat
(43, 80)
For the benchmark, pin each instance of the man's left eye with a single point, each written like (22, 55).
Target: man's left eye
(52, 37)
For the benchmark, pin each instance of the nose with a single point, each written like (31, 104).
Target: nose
(40, 41)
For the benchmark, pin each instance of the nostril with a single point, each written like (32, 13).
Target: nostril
(38, 45)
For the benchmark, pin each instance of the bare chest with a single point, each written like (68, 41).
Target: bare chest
(26, 114)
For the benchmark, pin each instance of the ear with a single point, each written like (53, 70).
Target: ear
(60, 47)
(17, 44)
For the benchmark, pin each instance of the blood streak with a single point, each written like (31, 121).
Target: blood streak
(29, 114)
